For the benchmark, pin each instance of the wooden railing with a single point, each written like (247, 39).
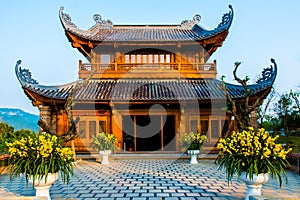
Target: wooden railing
(98, 67)
(153, 70)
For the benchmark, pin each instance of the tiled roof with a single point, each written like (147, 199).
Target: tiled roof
(144, 90)
(104, 30)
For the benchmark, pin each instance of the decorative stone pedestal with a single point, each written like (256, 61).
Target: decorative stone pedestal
(194, 154)
(42, 187)
(105, 155)
(254, 186)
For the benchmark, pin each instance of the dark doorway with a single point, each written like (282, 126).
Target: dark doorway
(149, 133)
(169, 134)
(128, 133)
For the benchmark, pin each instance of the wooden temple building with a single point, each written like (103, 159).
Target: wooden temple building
(143, 83)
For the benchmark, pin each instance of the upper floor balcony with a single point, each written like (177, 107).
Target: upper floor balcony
(153, 70)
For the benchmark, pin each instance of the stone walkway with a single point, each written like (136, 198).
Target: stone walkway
(150, 179)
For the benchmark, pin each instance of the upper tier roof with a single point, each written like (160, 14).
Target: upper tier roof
(104, 30)
(142, 89)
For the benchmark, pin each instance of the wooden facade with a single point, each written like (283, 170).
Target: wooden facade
(145, 84)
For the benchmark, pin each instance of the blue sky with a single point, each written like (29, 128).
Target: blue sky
(31, 31)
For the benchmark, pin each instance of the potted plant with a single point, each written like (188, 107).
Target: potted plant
(105, 143)
(192, 143)
(252, 155)
(40, 157)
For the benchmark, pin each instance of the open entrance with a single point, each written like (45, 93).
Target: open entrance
(149, 133)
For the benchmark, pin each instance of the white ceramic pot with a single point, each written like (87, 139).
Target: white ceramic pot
(105, 154)
(42, 187)
(254, 185)
(194, 154)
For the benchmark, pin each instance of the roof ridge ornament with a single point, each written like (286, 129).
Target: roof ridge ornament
(24, 75)
(105, 24)
(227, 18)
(190, 23)
(66, 19)
(268, 74)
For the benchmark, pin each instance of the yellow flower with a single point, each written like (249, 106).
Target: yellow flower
(267, 152)
(243, 143)
(220, 146)
(277, 148)
(282, 154)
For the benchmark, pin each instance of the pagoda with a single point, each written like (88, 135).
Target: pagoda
(145, 84)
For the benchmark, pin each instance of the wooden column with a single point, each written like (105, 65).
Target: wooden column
(116, 126)
(178, 56)
(53, 122)
(182, 122)
(254, 118)
(134, 132)
(45, 115)
(162, 131)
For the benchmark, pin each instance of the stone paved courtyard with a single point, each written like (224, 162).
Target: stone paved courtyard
(150, 179)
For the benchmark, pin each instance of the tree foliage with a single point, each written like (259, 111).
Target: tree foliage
(8, 133)
(287, 109)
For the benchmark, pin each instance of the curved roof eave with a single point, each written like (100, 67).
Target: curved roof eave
(29, 84)
(200, 89)
(267, 79)
(105, 31)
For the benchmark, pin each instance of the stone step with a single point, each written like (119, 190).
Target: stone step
(145, 155)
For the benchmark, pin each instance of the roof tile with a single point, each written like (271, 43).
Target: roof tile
(145, 90)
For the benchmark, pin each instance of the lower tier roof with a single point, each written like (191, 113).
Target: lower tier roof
(141, 89)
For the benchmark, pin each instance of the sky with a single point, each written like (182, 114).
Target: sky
(31, 31)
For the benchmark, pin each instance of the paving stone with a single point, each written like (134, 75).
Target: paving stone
(83, 191)
(118, 195)
(140, 191)
(132, 195)
(147, 195)
(154, 191)
(162, 194)
(193, 195)
(178, 194)
(150, 179)
(101, 195)
(208, 194)
(86, 195)
(188, 198)
(126, 191)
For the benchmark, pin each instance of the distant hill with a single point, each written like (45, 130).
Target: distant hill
(19, 119)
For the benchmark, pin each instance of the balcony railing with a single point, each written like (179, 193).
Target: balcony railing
(97, 67)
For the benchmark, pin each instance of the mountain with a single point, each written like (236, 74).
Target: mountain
(19, 119)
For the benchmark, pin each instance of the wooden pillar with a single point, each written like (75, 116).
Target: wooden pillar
(254, 118)
(162, 131)
(45, 115)
(117, 59)
(53, 122)
(116, 126)
(182, 125)
(202, 59)
(178, 56)
(61, 123)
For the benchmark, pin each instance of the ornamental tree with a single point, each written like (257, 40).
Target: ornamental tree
(241, 108)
